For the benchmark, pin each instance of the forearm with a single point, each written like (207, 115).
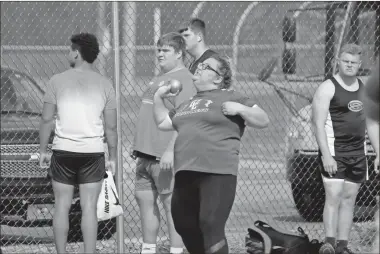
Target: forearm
(111, 135)
(254, 116)
(159, 110)
(373, 133)
(45, 132)
(321, 138)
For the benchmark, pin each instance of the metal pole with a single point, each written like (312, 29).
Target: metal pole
(102, 63)
(197, 9)
(235, 40)
(354, 26)
(329, 39)
(157, 35)
(128, 54)
(119, 172)
(342, 32)
(377, 33)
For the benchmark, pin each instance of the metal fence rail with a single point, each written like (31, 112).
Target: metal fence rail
(278, 178)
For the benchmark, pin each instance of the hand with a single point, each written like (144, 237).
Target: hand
(230, 108)
(164, 92)
(45, 160)
(111, 166)
(376, 164)
(167, 160)
(329, 164)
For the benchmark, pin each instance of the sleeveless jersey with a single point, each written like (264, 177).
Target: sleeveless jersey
(345, 126)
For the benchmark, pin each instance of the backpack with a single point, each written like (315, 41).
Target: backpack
(264, 239)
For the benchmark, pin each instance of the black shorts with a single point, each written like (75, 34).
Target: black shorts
(77, 168)
(352, 168)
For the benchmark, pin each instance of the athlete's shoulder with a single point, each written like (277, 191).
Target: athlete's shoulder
(183, 75)
(211, 52)
(208, 54)
(230, 91)
(61, 76)
(233, 94)
(184, 72)
(327, 87)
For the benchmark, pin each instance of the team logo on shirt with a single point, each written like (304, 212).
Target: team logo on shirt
(195, 106)
(355, 105)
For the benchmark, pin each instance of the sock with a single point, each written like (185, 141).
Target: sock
(330, 240)
(174, 250)
(223, 250)
(148, 248)
(342, 243)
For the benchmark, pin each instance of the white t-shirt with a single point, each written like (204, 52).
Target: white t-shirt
(81, 97)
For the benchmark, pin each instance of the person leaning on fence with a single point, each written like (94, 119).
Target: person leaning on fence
(194, 32)
(340, 128)
(370, 98)
(206, 153)
(154, 148)
(78, 97)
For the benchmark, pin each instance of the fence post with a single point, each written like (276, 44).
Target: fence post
(354, 25)
(197, 9)
(342, 32)
(128, 37)
(157, 35)
(119, 172)
(377, 33)
(235, 40)
(329, 39)
(102, 35)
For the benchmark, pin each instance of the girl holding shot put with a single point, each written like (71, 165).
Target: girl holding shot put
(206, 153)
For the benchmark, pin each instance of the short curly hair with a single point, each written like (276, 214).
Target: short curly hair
(224, 70)
(87, 45)
(352, 49)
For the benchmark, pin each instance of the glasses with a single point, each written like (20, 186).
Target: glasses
(204, 66)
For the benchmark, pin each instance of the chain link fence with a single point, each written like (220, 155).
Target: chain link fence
(278, 179)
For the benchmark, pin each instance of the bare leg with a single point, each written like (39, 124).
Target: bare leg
(346, 210)
(149, 214)
(89, 194)
(333, 189)
(63, 194)
(175, 238)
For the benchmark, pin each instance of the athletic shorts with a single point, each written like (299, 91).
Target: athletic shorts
(149, 175)
(77, 168)
(353, 169)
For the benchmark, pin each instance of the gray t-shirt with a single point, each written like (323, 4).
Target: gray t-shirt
(208, 141)
(81, 97)
(148, 138)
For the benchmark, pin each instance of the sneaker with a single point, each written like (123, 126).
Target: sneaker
(327, 248)
(345, 250)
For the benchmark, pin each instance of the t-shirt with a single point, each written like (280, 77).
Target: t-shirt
(148, 138)
(81, 97)
(207, 54)
(208, 141)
